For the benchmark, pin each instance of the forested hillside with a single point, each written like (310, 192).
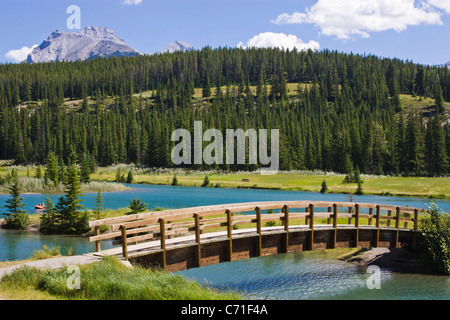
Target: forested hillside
(335, 111)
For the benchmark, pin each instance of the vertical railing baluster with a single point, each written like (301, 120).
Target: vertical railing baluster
(258, 230)
(230, 234)
(197, 240)
(335, 218)
(97, 243)
(357, 225)
(397, 225)
(377, 221)
(286, 227)
(123, 231)
(162, 231)
(311, 226)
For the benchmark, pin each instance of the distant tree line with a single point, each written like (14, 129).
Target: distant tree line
(345, 114)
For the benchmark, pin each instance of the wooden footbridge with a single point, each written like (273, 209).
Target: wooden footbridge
(193, 237)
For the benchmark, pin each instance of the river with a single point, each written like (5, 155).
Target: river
(308, 275)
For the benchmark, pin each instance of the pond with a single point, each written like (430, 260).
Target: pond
(20, 245)
(294, 276)
(316, 275)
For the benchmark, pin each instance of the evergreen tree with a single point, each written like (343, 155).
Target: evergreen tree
(16, 218)
(52, 168)
(324, 187)
(137, 206)
(49, 219)
(98, 212)
(85, 170)
(69, 207)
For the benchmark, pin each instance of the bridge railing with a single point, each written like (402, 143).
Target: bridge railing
(199, 221)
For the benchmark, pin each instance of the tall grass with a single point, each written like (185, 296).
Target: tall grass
(110, 280)
(34, 185)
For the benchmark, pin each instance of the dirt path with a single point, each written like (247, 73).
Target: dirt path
(53, 263)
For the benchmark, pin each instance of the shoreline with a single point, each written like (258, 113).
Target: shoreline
(379, 194)
(399, 260)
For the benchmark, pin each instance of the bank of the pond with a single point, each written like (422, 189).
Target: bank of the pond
(420, 187)
(39, 282)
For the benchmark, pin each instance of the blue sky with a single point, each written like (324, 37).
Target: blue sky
(406, 29)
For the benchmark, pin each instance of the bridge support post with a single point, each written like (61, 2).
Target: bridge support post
(286, 228)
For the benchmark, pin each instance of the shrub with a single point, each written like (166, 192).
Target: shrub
(206, 181)
(136, 206)
(435, 240)
(324, 187)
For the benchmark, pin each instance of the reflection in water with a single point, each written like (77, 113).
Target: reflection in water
(20, 245)
(315, 275)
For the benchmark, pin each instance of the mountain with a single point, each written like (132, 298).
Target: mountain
(88, 43)
(177, 46)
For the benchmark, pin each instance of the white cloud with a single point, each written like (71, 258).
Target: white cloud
(279, 40)
(19, 55)
(441, 4)
(345, 19)
(131, 2)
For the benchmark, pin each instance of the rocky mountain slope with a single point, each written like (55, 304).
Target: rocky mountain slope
(88, 43)
(177, 46)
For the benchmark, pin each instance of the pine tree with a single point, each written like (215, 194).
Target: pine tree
(16, 218)
(49, 221)
(98, 212)
(70, 207)
(324, 187)
(85, 170)
(136, 206)
(130, 177)
(52, 168)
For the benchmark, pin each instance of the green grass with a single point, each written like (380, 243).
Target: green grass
(425, 187)
(107, 280)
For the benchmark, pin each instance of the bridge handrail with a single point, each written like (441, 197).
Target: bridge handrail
(161, 224)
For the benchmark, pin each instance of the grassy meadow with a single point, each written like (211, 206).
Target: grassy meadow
(427, 187)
